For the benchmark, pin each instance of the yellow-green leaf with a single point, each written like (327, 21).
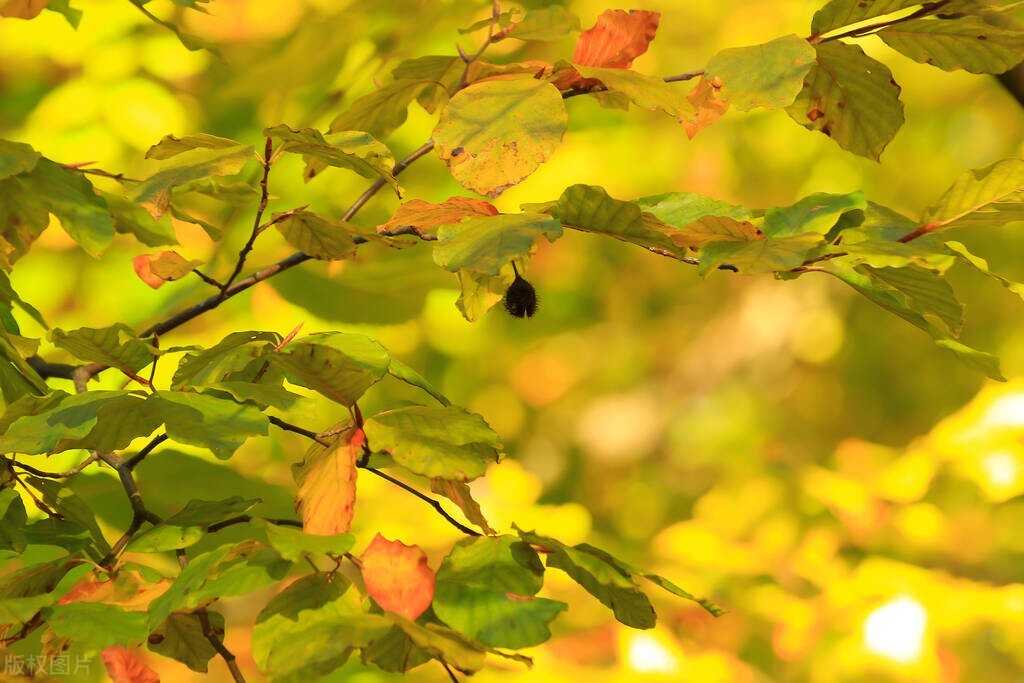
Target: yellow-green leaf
(768, 75)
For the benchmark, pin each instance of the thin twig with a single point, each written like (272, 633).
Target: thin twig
(448, 669)
(600, 87)
(53, 475)
(289, 427)
(426, 499)
(131, 462)
(80, 168)
(218, 645)
(207, 279)
(268, 150)
(242, 519)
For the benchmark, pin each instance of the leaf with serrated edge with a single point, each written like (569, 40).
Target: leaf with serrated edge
(768, 75)
(591, 209)
(981, 196)
(397, 576)
(171, 146)
(155, 192)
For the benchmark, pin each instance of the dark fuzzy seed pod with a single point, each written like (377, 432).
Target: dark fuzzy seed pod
(521, 298)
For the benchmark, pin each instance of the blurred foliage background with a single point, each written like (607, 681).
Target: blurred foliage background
(849, 492)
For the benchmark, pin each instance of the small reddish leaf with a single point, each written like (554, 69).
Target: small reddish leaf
(418, 215)
(614, 41)
(124, 667)
(397, 577)
(22, 9)
(327, 485)
(167, 266)
(128, 590)
(705, 99)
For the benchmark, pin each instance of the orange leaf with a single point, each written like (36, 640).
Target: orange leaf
(397, 577)
(22, 9)
(615, 40)
(327, 485)
(124, 667)
(129, 590)
(419, 215)
(704, 98)
(167, 266)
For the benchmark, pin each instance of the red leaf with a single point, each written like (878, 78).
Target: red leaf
(615, 40)
(327, 486)
(124, 667)
(397, 577)
(419, 215)
(167, 266)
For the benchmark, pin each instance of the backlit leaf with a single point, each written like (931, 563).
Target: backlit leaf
(294, 544)
(815, 213)
(495, 133)
(327, 484)
(839, 13)
(208, 421)
(338, 366)
(422, 216)
(544, 23)
(966, 42)
(167, 266)
(589, 208)
(768, 75)
(355, 150)
(384, 110)
(181, 637)
(16, 157)
(488, 243)
(397, 576)
(125, 667)
(644, 91)
(616, 38)
(171, 146)
(693, 220)
(459, 493)
(96, 624)
(322, 238)
(771, 254)
(991, 196)
(708, 106)
(155, 192)
(851, 98)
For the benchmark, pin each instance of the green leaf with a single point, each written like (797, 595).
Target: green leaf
(354, 150)
(201, 419)
(973, 358)
(712, 609)
(485, 589)
(336, 365)
(444, 644)
(116, 346)
(495, 133)
(851, 98)
(13, 519)
(69, 504)
(181, 637)
(680, 209)
(16, 157)
(545, 23)
(381, 112)
(925, 291)
(294, 544)
(768, 75)
(63, 7)
(485, 244)
(881, 253)
(263, 395)
(988, 196)
(981, 265)
(448, 442)
(132, 219)
(232, 354)
(967, 42)
(590, 209)
(226, 571)
(17, 611)
(171, 146)
(11, 298)
(97, 624)
(410, 376)
(322, 238)
(17, 377)
(816, 213)
(190, 524)
(155, 192)
(479, 292)
(642, 90)
(838, 13)
(395, 652)
(770, 254)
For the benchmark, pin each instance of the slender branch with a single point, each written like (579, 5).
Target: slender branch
(601, 87)
(495, 12)
(426, 499)
(242, 519)
(133, 461)
(80, 168)
(218, 645)
(925, 10)
(448, 670)
(409, 230)
(52, 475)
(268, 149)
(289, 427)
(207, 279)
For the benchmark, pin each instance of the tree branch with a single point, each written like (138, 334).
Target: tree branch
(268, 149)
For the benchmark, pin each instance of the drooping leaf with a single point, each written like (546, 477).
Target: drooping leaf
(171, 146)
(486, 589)
(410, 376)
(616, 38)
(421, 216)
(397, 577)
(851, 98)
(486, 244)
(589, 208)
(208, 421)
(232, 354)
(155, 192)
(355, 150)
(132, 219)
(981, 265)
(766, 255)
(436, 442)
(693, 220)
(322, 238)
(17, 377)
(480, 292)
(926, 291)
(708, 106)
(495, 133)
(16, 157)
(181, 637)
(966, 42)
(338, 366)
(13, 519)
(973, 358)
(768, 75)
(459, 493)
(326, 478)
(381, 112)
(158, 269)
(609, 583)
(116, 346)
(644, 91)
(444, 644)
(987, 196)
(838, 13)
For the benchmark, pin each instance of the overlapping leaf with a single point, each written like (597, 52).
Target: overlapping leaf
(326, 478)
(336, 365)
(768, 75)
(486, 244)
(839, 13)
(422, 216)
(965, 42)
(155, 192)
(988, 196)
(167, 266)
(352, 149)
(322, 238)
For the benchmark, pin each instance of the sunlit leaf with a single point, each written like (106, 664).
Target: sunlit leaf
(616, 38)
(644, 91)
(384, 110)
(155, 192)
(851, 98)
(201, 419)
(322, 238)
(459, 493)
(495, 133)
(589, 208)
(16, 157)
(544, 23)
(97, 624)
(170, 145)
(766, 255)
(768, 75)
(987, 196)
(707, 104)
(966, 42)
(181, 637)
(838, 13)
(397, 576)
(422, 216)
(157, 269)
(355, 150)
(326, 478)
(338, 366)
(815, 213)
(488, 243)
(294, 544)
